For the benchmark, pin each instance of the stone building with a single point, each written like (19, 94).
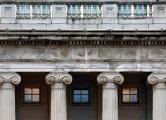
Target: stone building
(82, 60)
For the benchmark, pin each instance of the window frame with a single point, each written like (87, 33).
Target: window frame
(31, 87)
(129, 87)
(81, 88)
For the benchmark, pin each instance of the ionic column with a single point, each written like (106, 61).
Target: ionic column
(7, 95)
(159, 95)
(58, 83)
(110, 82)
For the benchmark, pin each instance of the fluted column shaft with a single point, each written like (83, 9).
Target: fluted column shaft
(159, 95)
(110, 83)
(58, 94)
(7, 95)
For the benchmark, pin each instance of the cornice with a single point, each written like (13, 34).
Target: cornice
(82, 37)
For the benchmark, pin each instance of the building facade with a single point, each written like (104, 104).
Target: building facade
(82, 60)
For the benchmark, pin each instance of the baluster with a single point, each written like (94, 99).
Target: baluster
(79, 10)
(26, 11)
(132, 10)
(89, 10)
(92, 11)
(143, 11)
(126, 10)
(76, 10)
(86, 10)
(95, 11)
(121, 12)
(45, 11)
(150, 11)
(38, 12)
(137, 11)
(98, 10)
(70, 12)
(18, 11)
(23, 12)
(82, 10)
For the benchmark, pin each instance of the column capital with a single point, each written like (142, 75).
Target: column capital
(10, 78)
(155, 78)
(52, 78)
(109, 77)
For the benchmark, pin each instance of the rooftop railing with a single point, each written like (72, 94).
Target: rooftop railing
(26, 11)
(81, 11)
(134, 11)
(84, 11)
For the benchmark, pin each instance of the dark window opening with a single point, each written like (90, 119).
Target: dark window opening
(81, 95)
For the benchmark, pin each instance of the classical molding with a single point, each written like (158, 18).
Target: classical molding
(52, 78)
(13, 78)
(156, 78)
(81, 37)
(110, 78)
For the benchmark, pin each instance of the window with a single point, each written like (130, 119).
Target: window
(130, 95)
(31, 95)
(80, 95)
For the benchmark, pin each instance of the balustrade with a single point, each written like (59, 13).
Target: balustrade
(84, 11)
(134, 11)
(25, 11)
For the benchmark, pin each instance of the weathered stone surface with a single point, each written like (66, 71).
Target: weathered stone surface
(9, 53)
(92, 53)
(157, 53)
(65, 52)
(85, 53)
(52, 53)
(78, 52)
(33, 54)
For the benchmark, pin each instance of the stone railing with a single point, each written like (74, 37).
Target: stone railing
(83, 15)
(135, 10)
(84, 11)
(28, 11)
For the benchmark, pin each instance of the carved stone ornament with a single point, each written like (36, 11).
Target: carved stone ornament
(110, 78)
(52, 78)
(156, 78)
(10, 78)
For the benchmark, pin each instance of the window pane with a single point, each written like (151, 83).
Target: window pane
(84, 91)
(133, 98)
(133, 91)
(77, 98)
(85, 98)
(125, 91)
(77, 92)
(35, 98)
(28, 91)
(27, 98)
(126, 98)
(35, 91)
